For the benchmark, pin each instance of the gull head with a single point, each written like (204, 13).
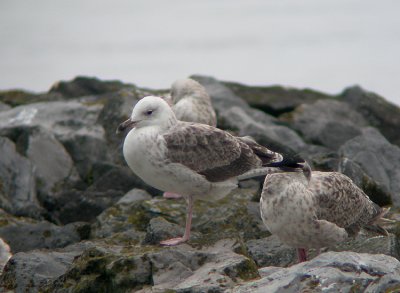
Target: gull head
(149, 111)
(182, 88)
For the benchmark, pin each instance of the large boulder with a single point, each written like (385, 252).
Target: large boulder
(378, 158)
(275, 99)
(327, 122)
(331, 272)
(17, 182)
(377, 111)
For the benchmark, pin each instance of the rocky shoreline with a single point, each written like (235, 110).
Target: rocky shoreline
(78, 220)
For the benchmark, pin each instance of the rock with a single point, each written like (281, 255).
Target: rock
(212, 269)
(17, 182)
(5, 254)
(125, 218)
(270, 251)
(54, 168)
(368, 242)
(30, 271)
(327, 122)
(84, 86)
(378, 158)
(377, 111)
(331, 272)
(24, 234)
(278, 135)
(76, 205)
(160, 229)
(19, 97)
(4, 107)
(376, 192)
(275, 99)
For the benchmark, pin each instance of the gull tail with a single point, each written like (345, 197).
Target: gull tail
(375, 224)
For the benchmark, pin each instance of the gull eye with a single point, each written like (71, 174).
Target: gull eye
(149, 112)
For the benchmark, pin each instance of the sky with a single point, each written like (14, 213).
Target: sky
(324, 45)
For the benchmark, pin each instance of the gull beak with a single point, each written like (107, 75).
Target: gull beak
(128, 124)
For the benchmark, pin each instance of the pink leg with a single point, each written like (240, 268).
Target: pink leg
(176, 241)
(302, 254)
(168, 194)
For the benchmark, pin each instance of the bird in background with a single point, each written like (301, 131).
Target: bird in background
(192, 159)
(316, 209)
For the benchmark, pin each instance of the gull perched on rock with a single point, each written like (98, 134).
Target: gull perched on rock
(192, 159)
(191, 103)
(316, 209)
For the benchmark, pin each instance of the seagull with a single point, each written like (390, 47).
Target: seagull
(191, 102)
(316, 209)
(192, 159)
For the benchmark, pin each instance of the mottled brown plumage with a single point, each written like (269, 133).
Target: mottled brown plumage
(317, 212)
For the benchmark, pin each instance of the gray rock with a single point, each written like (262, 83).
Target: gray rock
(17, 182)
(246, 124)
(211, 269)
(83, 86)
(376, 192)
(327, 122)
(24, 234)
(270, 251)
(76, 205)
(378, 158)
(275, 99)
(125, 218)
(332, 272)
(30, 271)
(378, 112)
(4, 107)
(53, 165)
(160, 229)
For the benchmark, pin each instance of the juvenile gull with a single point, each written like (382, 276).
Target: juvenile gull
(192, 159)
(314, 210)
(191, 102)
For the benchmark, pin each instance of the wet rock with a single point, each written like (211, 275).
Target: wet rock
(377, 111)
(24, 234)
(84, 86)
(275, 99)
(327, 122)
(270, 251)
(17, 182)
(378, 158)
(30, 271)
(331, 272)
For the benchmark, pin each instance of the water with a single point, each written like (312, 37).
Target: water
(325, 45)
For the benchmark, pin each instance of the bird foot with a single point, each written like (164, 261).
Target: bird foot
(173, 241)
(171, 195)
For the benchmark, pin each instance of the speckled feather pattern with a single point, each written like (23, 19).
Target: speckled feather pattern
(211, 152)
(317, 213)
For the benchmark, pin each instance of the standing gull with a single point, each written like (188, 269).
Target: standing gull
(191, 102)
(314, 210)
(192, 159)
